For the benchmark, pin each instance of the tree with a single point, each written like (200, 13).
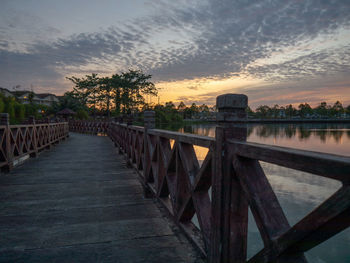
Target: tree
(70, 100)
(116, 85)
(82, 114)
(170, 106)
(290, 111)
(87, 88)
(134, 87)
(322, 109)
(263, 111)
(10, 108)
(106, 94)
(19, 112)
(2, 104)
(193, 110)
(275, 111)
(337, 110)
(125, 92)
(181, 106)
(203, 108)
(305, 110)
(250, 112)
(348, 109)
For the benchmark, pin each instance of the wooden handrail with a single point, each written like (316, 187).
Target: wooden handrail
(321, 164)
(169, 170)
(174, 176)
(20, 140)
(90, 127)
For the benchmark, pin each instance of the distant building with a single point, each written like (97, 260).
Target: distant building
(47, 99)
(40, 98)
(6, 92)
(24, 97)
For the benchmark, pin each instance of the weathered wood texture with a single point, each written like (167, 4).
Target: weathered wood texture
(167, 163)
(80, 203)
(17, 141)
(90, 127)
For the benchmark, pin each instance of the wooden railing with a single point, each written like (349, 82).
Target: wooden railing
(90, 127)
(20, 140)
(231, 172)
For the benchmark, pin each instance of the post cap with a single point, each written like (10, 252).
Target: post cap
(149, 118)
(149, 113)
(227, 102)
(231, 108)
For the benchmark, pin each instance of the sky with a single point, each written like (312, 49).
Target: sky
(274, 51)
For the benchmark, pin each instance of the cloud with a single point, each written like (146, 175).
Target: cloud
(236, 33)
(196, 87)
(46, 64)
(327, 62)
(311, 91)
(182, 40)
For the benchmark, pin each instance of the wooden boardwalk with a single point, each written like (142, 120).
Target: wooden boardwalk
(79, 202)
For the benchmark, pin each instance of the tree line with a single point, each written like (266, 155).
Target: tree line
(125, 94)
(304, 110)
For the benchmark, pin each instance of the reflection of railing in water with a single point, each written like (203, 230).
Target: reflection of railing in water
(174, 176)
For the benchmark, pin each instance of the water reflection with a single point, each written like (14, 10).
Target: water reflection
(323, 131)
(330, 138)
(298, 193)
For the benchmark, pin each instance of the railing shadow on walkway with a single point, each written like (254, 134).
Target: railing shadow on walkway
(168, 166)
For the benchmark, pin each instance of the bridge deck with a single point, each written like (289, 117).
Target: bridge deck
(80, 203)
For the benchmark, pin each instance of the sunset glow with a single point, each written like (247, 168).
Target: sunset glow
(284, 52)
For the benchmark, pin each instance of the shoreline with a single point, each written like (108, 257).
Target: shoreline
(277, 121)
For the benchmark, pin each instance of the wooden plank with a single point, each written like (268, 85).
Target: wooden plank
(327, 165)
(204, 176)
(226, 206)
(227, 226)
(238, 223)
(189, 160)
(163, 157)
(235, 206)
(331, 217)
(202, 206)
(214, 250)
(171, 177)
(184, 209)
(203, 141)
(265, 207)
(267, 212)
(67, 217)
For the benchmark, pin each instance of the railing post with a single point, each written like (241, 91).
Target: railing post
(149, 118)
(228, 241)
(31, 121)
(129, 119)
(149, 123)
(5, 120)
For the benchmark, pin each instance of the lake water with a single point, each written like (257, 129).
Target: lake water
(298, 193)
